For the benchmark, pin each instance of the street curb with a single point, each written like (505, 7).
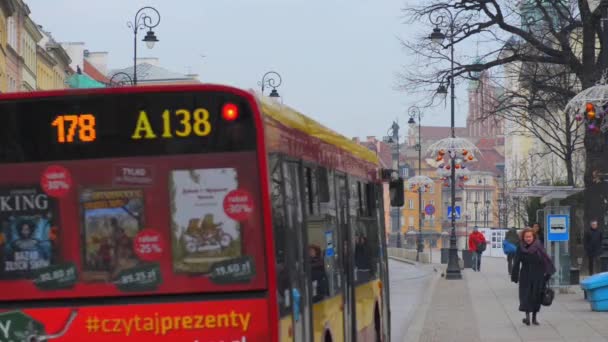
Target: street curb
(404, 260)
(414, 331)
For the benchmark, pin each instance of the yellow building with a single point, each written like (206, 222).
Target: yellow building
(53, 63)
(6, 10)
(431, 224)
(30, 38)
(45, 70)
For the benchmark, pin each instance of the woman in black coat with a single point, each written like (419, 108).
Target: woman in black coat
(532, 268)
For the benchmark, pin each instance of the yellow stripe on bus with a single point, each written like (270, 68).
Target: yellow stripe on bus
(329, 315)
(293, 119)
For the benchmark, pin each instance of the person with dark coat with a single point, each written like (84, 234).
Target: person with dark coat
(362, 259)
(317, 273)
(532, 268)
(592, 241)
(513, 238)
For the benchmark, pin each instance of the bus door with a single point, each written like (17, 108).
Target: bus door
(350, 326)
(295, 245)
(384, 275)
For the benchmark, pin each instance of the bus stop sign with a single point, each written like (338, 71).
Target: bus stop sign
(558, 227)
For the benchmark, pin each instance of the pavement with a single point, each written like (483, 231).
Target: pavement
(408, 281)
(483, 306)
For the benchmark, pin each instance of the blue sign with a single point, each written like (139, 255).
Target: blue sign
(456, 214)
(429, 209)
(329, 243)
(558, 227)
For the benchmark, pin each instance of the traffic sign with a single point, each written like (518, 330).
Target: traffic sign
(456, 212)
(429, 209)
(559, 227)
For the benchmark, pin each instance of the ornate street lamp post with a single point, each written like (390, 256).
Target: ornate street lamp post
(420, 182)
(447, 20)
(120, 79)
(273, 80)
(147, 17)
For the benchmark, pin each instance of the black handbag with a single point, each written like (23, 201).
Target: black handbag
(548, 295)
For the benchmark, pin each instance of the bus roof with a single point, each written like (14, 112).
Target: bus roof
(296, 120)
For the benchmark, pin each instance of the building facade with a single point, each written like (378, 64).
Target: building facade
(45, 69)
(14, 60)
(6, 11)
(61, 69)
(30, 38)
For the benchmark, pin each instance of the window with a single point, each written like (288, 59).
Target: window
(432, 202)
(311, 191)
(279, 223)
(410, 204)
(410, 221)
(432, 188)
(423, 204)
(12, 32)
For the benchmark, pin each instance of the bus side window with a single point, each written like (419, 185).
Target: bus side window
(311, 191)
(322, 235)
(366, 237)
(279, 225)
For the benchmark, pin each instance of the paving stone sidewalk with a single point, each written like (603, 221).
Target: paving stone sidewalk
(484, 307)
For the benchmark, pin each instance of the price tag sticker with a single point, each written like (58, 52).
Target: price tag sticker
(238, 205)
(56, 181)
(148, 245)
(238, 270)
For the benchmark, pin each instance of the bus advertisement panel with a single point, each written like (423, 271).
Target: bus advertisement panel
(131, 197)
(238, 321)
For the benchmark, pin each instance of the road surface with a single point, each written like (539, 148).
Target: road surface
(408, 284)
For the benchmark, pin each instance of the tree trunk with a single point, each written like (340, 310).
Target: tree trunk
(569, 170)
(596, 165)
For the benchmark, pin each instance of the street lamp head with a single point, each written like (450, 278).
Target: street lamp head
(411, 121)
(150, 39)
(437, 36)
(274, 93)
(442, 90)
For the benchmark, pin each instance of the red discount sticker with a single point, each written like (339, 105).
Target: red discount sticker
(56, 181)
(238, 205)
(148, 245)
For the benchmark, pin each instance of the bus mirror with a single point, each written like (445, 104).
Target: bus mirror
(396, 191)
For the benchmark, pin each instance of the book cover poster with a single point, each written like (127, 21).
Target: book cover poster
(112, 219)
(29, 230)
(203, 234)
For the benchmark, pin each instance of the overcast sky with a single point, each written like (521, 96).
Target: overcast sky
(338, 58)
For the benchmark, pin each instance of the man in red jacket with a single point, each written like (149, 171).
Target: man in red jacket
(477, 244)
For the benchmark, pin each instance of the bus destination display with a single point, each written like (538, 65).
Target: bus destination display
(72, 128)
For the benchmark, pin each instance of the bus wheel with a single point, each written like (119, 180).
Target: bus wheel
(377, 325)
(327, 337)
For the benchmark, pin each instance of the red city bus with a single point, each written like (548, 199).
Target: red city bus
(185, 213)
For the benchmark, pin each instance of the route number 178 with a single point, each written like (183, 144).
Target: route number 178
(68, 125)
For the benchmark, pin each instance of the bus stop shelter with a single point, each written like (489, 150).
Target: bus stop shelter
(555, 219)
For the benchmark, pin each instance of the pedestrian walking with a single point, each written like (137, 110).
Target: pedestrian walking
(592, 241)
(532, 269)
(509, 246)
(477, 245)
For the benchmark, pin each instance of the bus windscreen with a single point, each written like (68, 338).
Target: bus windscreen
(113, 195)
